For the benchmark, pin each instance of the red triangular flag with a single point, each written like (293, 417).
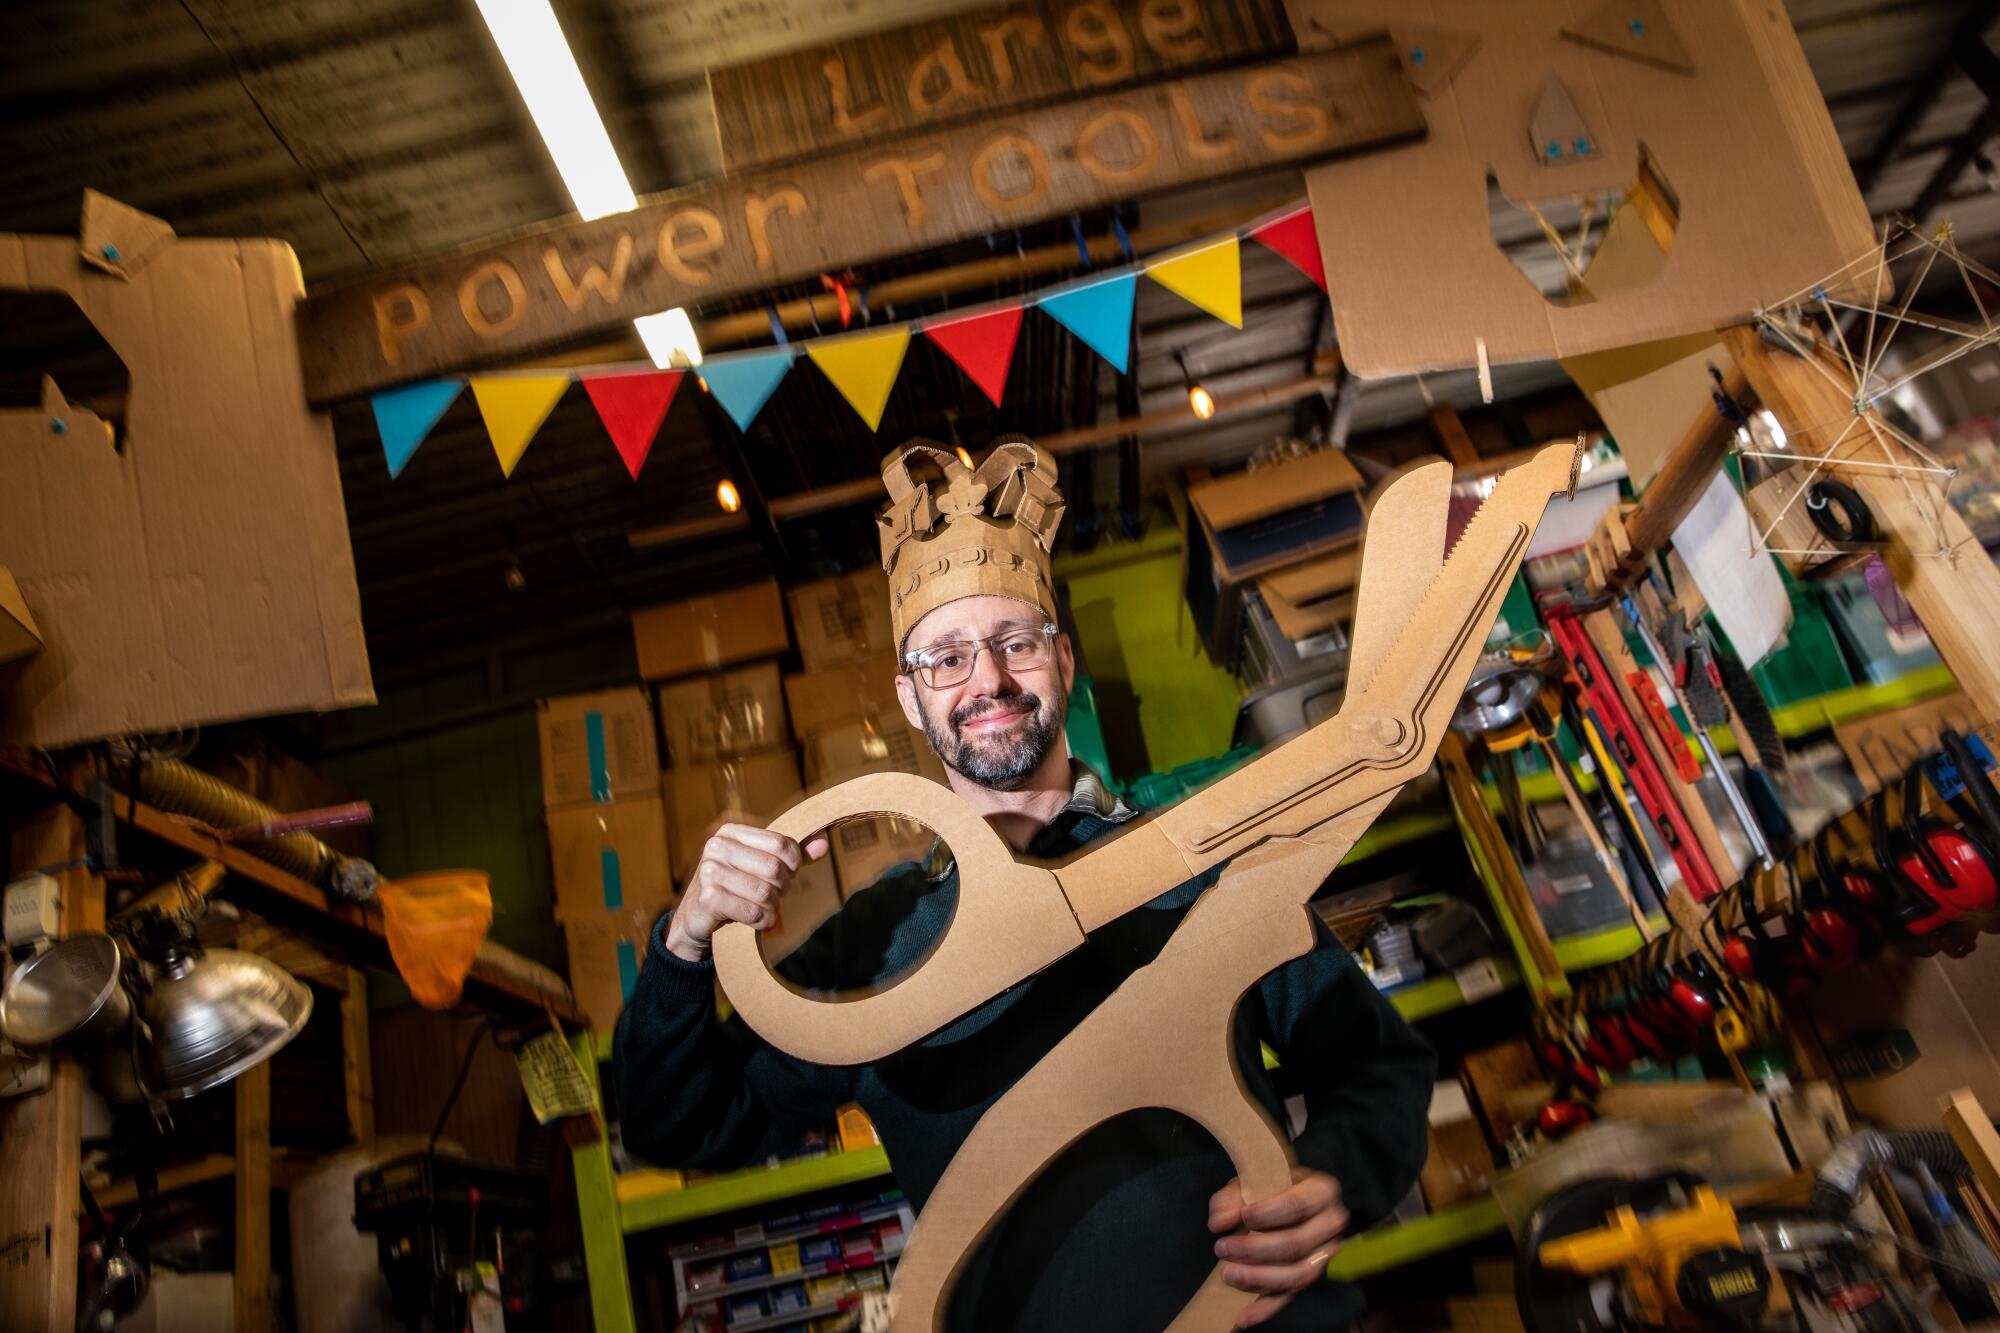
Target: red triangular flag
(982, 345)
(1293, 239)
(631, 408)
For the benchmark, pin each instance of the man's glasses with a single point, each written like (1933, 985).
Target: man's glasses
(945, 665)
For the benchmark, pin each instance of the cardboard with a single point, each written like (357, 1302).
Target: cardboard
(200, 571)
(705, 718)
(812, 896)
(1742, 138)
(865, 849)
(1243, 497)
(858, 691)
(752, 787)
(844, 750)
(1492, 1072)
(1458, 1165)
(597, 747)
(19, 635)
(843, 620)
(703, 633)
(605, 955)
(610, 857)
(1281, 824)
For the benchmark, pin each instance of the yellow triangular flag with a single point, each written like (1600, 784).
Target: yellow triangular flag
(514, 407)
(1211, 277)
(863, 368)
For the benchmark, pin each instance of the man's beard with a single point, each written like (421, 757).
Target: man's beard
(1003, 762)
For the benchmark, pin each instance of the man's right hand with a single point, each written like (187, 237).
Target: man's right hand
(742, 871)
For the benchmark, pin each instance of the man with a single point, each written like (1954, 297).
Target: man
(1122, 1228)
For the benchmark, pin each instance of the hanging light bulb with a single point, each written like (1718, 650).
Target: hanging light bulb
(965, 457)
(1200, 401)
(726, 496)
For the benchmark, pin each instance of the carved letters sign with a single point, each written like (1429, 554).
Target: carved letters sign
(916, 78)
(531, 290)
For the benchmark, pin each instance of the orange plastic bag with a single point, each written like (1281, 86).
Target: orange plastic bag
(435, 923)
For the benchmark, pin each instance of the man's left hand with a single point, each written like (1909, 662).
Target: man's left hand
(1290, 1237)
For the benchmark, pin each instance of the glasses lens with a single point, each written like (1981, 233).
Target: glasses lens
(951, 664)
(1025, 650)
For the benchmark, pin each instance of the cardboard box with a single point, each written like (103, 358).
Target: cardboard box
(705, 718)
(844, 619)
(864, 848)
(610, 856)
(843, 750)
(1489, 1074)
(856, 691)
(18, 634)
(1459, 1165)
(811, 897)
(203, 573)
(703, 633)
(1714, 96)
(597, 747)
(605, 955)
(752, 786)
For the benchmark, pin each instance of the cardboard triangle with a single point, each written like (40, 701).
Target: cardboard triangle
(1557, 130)
(1098, 312)
(118, 238)
(404, 416)
(863, 367)
(1294, 239)
(1636, 28)
(1433, 54)
(1210, 278)
(743, 384)
(514, 408)
(632, 408)
(980, 345)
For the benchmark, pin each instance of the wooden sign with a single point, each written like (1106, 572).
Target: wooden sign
(538, 288)
(926, 75)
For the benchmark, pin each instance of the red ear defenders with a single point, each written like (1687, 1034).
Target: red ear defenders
(1949, 871)
(1853, 893)
(1749, 952)
(1828, 937)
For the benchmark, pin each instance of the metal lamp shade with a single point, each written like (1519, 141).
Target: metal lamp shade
(69, 990)
(215, 1014)
(1497, 697)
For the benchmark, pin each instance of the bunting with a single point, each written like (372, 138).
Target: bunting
(404, 416)
(514, 408)
(632, 406)
(743, 384)
(980, 345)
(632, 401)
(1098, 312)
(1210, 278)
(863, 367)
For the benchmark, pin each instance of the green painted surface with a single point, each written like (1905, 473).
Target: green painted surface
(597, 1210)
(1400, 1243)
(745, 1189)
(1140, 643)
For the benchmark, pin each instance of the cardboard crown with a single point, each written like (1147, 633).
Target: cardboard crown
(966, 532)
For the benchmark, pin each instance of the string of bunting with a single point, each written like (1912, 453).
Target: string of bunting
(632, 401)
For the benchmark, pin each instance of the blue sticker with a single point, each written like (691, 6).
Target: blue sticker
(613, 876)
(600, 770)
(628, 967)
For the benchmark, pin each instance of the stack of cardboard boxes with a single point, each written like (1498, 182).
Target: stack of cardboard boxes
(848, 719)
(607, 839)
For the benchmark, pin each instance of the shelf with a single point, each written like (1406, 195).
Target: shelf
(819, 1226)
(1598, 947)
(1400, 1243)
(737, 1288)
(788, 1317)
(1427, 999)
(1387, 834)
(647, 1199)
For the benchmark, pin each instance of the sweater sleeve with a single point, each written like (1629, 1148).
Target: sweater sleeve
(695, 1091)
(1365, 1074)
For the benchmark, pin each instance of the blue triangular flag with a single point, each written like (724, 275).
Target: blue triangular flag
(404, 416)
(743, 384)
(1100, 313)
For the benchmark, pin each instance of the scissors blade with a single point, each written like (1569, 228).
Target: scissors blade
(1402, 549)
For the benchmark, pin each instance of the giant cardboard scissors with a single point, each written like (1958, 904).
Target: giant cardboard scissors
(1285, 819)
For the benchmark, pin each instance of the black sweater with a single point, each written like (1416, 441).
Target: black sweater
(1114, 1235)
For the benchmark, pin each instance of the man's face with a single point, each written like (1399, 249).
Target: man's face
(999, 724)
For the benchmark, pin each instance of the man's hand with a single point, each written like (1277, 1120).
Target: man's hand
(1291, 1237)
(742, 871)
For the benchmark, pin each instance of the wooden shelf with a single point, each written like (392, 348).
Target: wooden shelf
(648, 1199)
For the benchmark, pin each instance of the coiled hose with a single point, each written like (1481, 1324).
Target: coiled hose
(1860, 1157)
(174, 787)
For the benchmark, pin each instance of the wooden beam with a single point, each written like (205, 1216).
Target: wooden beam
(252, 1090)
(1451, 434)
(1681, 480)
(867, 490)
(1972, 1129)
(1938, 564)
(357, 1071)
(749, 234)
(1508, 885)
(39, 1194)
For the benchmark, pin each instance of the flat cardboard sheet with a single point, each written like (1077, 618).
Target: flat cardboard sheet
(18, 634)
(610, 857)
(1244, 497)
(842, 620)
(597, 747)
(754, 786)
(703, 633)
(705, 718)
(199, 572)
(1767, 204)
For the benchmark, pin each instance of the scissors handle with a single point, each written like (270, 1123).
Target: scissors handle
(1010, 921)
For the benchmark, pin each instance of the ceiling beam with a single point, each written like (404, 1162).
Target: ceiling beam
(1971, 53)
